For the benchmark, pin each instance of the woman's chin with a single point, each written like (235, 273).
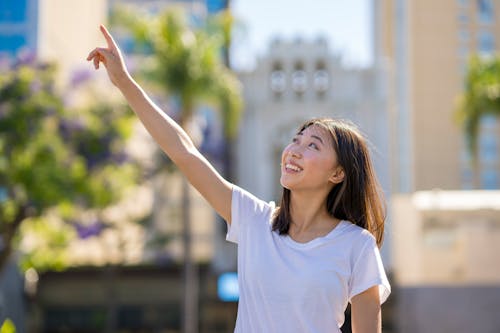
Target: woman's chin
(286, 184)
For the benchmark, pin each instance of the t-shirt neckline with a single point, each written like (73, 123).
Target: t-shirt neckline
(318, 240)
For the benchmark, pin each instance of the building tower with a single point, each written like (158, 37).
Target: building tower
(426, 46)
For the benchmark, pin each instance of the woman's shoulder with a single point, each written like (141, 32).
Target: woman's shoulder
(248, 201)
(357, 233)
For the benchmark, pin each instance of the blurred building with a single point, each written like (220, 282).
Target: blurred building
(447, 251)
(425, 45)
(125, 299)
(52, 30)
(444, 243)
(198, 10)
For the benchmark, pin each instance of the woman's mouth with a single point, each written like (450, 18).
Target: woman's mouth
(292, 167)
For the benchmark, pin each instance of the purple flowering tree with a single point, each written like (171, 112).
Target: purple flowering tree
(56, 162)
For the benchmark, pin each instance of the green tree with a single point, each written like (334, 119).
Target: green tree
(56, 162)
(8, 327)
(188, 65)
(481, 97)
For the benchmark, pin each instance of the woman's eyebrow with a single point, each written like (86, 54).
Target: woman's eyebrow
(313, 136)
(318, 138)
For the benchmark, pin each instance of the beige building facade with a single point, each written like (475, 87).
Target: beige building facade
(446, 261)
(425, 46)
(444, 231)
(447, 238)
(68, 30)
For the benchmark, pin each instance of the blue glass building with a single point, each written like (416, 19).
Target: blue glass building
(18, 22)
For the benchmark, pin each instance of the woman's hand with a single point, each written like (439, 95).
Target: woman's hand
(112, 59)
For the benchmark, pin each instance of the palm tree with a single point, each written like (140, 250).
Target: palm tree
(481, 97)
(188, 65)
(222, 24)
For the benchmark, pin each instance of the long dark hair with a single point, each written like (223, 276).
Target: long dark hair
(359, 197)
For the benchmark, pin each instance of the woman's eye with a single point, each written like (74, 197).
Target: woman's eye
(313, 145)
(295, 140)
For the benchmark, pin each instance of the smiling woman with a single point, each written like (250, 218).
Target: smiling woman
(299, 265)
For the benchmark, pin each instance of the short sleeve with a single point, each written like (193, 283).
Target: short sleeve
(245, 208)
(368, 271)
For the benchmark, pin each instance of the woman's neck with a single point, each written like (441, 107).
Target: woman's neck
(308, 211)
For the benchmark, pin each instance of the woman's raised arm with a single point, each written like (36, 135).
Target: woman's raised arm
(172, 139)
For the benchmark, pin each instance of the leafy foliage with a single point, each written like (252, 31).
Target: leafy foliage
(481, 96)
(187, 62)
(54, 160)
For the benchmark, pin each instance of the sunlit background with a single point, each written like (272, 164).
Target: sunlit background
(99, 232)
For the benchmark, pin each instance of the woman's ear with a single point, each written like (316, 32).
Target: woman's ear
(337, 176)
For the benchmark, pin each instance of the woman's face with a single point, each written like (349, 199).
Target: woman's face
(309, 162)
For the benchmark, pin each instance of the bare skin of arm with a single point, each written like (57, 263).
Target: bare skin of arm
(366, 315)
(172, 139)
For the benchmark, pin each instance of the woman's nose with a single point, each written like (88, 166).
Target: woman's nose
(294, 153)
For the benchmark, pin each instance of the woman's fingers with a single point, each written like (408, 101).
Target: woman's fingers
(109, 39)
(99, 55)
(91, 54)
(96, 61)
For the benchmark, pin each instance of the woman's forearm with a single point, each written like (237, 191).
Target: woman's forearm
(173, 140)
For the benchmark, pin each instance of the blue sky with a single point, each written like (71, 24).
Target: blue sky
(346, 24)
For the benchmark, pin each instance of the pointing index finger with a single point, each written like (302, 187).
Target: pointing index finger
(109, 39)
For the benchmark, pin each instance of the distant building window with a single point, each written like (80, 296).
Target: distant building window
(321, 81)
(278, 81)
(12, 44)
(463, 51)
(489, 122)
(465, 157)
(467, 179)
(485, 43)
(463, 18)
(464, 35)
(215, 6)
(489, 179)
(299, 81)
(488, 148)
(485, 11)
(13, 11)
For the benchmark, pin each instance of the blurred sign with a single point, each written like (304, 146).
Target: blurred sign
(227, 287)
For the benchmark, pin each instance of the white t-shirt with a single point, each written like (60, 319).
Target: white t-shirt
(286, 286)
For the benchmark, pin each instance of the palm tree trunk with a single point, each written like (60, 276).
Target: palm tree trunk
(190, 314)
(190, 271)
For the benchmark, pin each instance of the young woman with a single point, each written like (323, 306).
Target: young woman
(299, 264)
